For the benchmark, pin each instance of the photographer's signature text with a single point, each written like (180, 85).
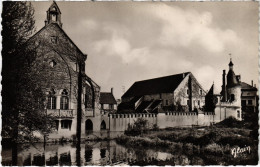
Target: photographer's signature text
(237, 150)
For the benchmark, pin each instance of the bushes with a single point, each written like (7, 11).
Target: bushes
(230, 122)
(146, 142)
(214, 149)
(139, 127)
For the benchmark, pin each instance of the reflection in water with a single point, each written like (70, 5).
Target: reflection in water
(103, 153)
(65, 159)
(88, 155)
(53, 160)
(38, 160)
(93, 153)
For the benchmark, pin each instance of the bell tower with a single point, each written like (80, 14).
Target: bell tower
(53, 15)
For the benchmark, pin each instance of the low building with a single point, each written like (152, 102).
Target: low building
(108, 102)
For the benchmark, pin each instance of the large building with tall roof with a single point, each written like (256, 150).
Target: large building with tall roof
(179, 92)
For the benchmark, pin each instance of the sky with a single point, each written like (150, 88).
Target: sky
(132, 41)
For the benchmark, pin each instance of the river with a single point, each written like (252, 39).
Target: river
(92, 153)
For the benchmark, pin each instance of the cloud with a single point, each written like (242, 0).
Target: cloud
(187, 27)
(120, 47)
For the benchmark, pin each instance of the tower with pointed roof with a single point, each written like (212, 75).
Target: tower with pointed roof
(228, 102)
(233, 86)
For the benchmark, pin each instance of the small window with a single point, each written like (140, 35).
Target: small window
(52, 63)
(102, 106)
(243, 102)
(66, 124)
(200, 92)
(188, 102)
(188, 91)
(198, 103)
(238, 114)
(111, 106)
(232, 98)
(166, 102)
(250, 102)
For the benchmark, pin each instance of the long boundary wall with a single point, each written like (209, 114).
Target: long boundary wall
(120, 122)
(117, 123)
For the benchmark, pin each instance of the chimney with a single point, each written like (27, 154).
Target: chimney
(224, 86)
(252, 82)
(111, 90)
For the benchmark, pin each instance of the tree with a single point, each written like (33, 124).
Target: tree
(23, 99)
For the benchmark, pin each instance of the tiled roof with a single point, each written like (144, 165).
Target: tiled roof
(154, 86)
(107, 98)
(245, 86)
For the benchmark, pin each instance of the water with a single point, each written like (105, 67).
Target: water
(92, 153)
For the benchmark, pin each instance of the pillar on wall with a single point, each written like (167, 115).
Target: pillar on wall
(58, 102)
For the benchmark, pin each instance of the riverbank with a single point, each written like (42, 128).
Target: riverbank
(216, 145)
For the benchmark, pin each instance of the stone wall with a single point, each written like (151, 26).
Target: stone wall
(119, 122)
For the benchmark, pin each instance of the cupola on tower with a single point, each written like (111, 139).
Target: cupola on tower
(53, 15)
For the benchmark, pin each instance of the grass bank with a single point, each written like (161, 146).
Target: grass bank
(213, 144)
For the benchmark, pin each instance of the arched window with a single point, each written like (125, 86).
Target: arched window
(51, 103)
(103, 125)
(53, 17)
(88, 125)
(238, 114)
(64, 101)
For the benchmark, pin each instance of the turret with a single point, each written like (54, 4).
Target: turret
(233, 87)
(53, 15)
(231, 76)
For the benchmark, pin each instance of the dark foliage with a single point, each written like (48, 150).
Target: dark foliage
(138, 128)
(23, 99)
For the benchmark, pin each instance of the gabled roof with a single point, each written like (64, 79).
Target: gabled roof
(165, 84)
(54, 4)
(245, 86)
(61, 31)
(107, 98)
